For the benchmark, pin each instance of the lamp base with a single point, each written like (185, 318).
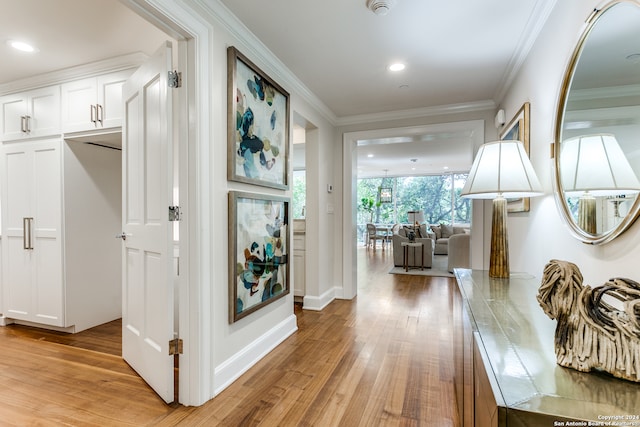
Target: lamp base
(499, 259)
(587, 213)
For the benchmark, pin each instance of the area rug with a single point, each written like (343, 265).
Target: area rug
(438, 268)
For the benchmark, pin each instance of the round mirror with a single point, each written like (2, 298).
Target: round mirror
(597, 141)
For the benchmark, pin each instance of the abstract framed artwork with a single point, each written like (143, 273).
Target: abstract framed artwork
(258, 125)
(518, 129)
(258, 252)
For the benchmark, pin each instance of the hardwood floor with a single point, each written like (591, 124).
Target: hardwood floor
(384, 358)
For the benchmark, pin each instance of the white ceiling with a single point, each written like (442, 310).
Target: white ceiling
(457, 53)
(430, 152)
(68, 33)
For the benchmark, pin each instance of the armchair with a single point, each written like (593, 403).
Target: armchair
(459, 251)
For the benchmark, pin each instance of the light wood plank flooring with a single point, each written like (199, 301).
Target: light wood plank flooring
(383, 359)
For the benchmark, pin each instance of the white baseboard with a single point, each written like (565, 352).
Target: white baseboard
(339, 292)
(5, 321)
(231, 369)
(318, 303)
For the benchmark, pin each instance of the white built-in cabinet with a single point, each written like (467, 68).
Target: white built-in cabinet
(60, 205)
(93, 103)
(31, 114)
(32, 231)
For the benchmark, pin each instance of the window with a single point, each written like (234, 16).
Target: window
(438, 196)
(299, 194)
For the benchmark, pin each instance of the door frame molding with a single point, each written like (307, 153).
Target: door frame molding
(194, 36)
(350, 181)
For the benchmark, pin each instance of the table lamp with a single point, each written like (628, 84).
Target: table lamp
(415, 217)
(594, 165)
(501, 169)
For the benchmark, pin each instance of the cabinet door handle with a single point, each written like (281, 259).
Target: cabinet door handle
(30, 231)
(27, 121)
(25, 224)
(27, 233)
(93, 114)
(24, 124)
(99, 113)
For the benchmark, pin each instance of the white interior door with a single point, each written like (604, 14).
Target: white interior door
(147, 294)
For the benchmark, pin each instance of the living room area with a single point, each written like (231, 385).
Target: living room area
(421, 221)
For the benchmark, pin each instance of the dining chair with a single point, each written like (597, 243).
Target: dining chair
(373, 237)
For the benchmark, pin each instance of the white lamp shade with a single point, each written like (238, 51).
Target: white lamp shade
(596, 164)
(502, 168)
(415, 216)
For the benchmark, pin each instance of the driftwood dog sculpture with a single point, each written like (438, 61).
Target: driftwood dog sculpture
(597, 328)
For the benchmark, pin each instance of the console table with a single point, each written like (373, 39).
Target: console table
(505, 365)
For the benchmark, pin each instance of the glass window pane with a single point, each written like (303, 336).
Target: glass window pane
(299, 194)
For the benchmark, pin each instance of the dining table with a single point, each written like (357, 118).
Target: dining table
(384, 230)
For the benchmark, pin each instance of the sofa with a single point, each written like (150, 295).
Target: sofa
(441, 234)
(415, 254)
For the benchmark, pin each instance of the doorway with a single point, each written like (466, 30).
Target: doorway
(471, 131)
(190, 103)
(186, 47)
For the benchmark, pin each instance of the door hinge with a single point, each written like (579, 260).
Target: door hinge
(174, 213)
(175, 346)
(175, 79)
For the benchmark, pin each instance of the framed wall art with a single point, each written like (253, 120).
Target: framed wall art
(258, 125)
(518, 129)
(258, 252)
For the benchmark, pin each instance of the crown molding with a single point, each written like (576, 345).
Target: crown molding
(534, 26)
(73, 73)
(257, 51)
(418, 112)
(615, 92)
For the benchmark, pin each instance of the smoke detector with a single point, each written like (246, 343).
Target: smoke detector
(380, 7)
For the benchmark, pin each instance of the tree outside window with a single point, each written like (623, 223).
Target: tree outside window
(438, 196)
(299, 194)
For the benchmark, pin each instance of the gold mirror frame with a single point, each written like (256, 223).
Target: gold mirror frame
(561, 199)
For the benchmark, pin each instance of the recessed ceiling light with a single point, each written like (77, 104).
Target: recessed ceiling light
(396, 67)
(21, 46)
(369, 155)
(445, 167)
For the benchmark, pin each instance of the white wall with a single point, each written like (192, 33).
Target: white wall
(541, 235)
(235, 347)
(92, 203)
